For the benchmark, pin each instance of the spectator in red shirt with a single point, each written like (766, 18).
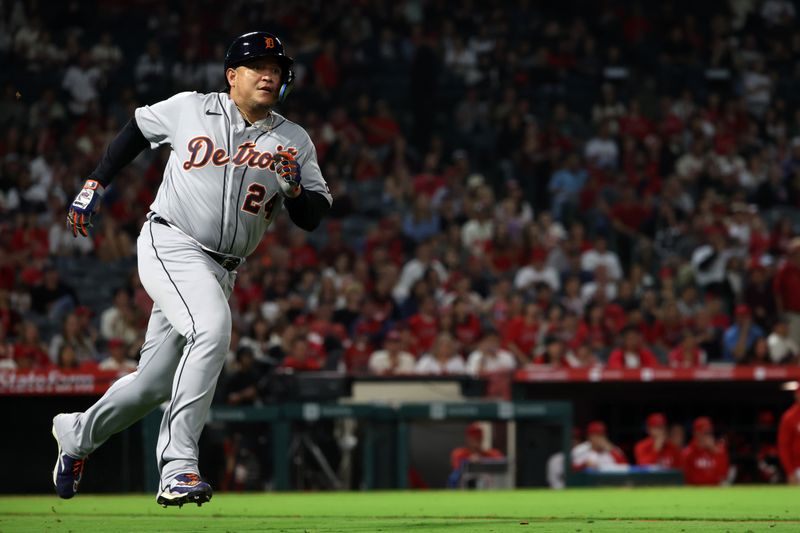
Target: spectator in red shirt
(429, 180)
(656, 449)
(68, 360)
(326, 67)
(705, 461)
(30, 352)
(425, 324)
(688, 354)
(522, 332)
(356, 355)
(6, 350)
(628, 216)
(380, 127)
(302, 254)
(786, 287)
(667, 332)
(555, 353)
(466, 326)
(9, 318)
(789, 441)
(632, 354)
(300, 358)
(635, 123)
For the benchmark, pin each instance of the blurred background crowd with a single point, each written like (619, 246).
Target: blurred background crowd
(613, 185)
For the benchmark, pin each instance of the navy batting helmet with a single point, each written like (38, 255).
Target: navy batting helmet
(261, 44)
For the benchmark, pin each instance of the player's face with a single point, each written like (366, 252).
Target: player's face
(257, 83)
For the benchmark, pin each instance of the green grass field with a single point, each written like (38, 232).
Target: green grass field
(734, 510)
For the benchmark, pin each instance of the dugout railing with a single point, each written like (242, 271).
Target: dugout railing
(537, 430)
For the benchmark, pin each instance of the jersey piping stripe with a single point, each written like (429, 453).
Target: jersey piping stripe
(224, 175)
(189, 342)
(239, 195)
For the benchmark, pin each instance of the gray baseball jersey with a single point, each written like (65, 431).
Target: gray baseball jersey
(219, 192)
(220, 185)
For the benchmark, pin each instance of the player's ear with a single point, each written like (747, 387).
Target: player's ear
(230, 75)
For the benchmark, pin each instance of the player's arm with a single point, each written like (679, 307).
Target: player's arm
(307, 209)
(123, 149)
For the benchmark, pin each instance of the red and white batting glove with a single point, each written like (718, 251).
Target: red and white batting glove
(288, 170)
(79, 217)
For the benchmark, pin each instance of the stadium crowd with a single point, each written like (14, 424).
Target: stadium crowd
(512, 186)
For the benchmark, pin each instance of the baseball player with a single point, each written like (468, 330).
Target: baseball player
(234, 162)
(597, 452)
(789, 441)
(705, 460)
(656, 449)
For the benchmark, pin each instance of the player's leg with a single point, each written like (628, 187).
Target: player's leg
(125, 402)
(129, 398)
(193, 292)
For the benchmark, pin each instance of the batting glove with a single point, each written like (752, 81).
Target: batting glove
(288, 170)
(79, 217)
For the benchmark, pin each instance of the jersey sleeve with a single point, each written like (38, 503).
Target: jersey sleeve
(312, 179)
(159, 122)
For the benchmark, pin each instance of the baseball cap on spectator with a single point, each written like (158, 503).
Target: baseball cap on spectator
(474, 430)
(115, 343)
(742, 310)
(393, 336)
(552, 339)
(656, 420)
(82, 310)
(31, 276)
(739, 207)
(755, 264)
(703, 425)
(766, 418)
(630, 328)
(539, 254)
(596, 427)
(475, 180)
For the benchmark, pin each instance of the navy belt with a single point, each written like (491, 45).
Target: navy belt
(227, 262)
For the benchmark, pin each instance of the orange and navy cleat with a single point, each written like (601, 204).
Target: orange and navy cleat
(185, 488)
(67, 472)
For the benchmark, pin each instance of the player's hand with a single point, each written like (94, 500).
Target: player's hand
(79, 217)
(288, 170)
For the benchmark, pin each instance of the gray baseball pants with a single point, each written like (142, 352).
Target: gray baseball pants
(184, 350)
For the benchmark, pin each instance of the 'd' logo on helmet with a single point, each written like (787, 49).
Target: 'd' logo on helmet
(269, 42)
